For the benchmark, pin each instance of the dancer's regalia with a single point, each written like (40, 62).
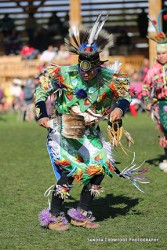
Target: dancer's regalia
(76, 147)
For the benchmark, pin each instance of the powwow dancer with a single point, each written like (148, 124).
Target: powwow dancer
(84, 94)
(155, 85)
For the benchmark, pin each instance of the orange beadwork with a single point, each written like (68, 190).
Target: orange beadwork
(112, 87)
(63, 163)
(78, 175)
(58, 77)
(69, 96)
(93, 170)
(102, 97)
(111, 168)
(56, 70)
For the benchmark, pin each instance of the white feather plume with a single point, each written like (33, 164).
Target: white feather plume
(74, 30)
(115, 66)
(94, 30)
(100, 28)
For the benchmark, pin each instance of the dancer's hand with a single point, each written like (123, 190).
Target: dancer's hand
(43, 122)
(148, 107)
(116, 114)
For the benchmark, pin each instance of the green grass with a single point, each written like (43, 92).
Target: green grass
(122, 211)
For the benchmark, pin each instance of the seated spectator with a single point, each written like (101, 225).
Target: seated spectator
(63, 53)
(49, 54)
(142, 21)
(42, 39)
(123, 42)
(12, 43)
(28, 53)
(31, 26)
(66, 24)
(7, 25)
(55, 25)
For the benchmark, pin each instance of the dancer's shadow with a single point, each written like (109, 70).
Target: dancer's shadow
(110, 206)
(155, 162)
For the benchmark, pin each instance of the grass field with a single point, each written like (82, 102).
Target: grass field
(124, 213)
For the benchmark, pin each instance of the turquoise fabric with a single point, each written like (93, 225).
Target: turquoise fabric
(163, 114)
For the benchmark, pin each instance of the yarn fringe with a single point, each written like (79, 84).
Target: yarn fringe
(45, 218)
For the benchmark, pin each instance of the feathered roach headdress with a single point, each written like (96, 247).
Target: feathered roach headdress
(88, 43)
(160, 37)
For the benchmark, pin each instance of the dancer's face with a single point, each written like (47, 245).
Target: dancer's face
(88, 75)
(162, 57)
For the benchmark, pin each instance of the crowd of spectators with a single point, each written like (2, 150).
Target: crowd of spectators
(35, 35)
(41, 45)
(18, 97)
(53, 32)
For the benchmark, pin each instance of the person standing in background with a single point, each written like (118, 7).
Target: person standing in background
(155, 86)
